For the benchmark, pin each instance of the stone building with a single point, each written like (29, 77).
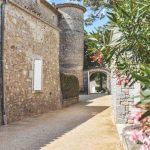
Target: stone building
(124, 97)
(35, 37)
(72, 40)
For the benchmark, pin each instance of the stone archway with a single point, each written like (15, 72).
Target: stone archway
(89, 72)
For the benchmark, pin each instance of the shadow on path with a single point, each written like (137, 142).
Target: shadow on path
(34, 133)
(91, 97)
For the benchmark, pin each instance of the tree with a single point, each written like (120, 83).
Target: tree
(94, 42)
(131, 19)
(98, 9)
(130, 51)
(133, 46)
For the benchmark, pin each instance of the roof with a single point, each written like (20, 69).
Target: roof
(33, 7)
(51, 7)
(71, 5)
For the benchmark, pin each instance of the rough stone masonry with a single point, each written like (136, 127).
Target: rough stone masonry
(72, 40)
(124, 99)
(32, 36)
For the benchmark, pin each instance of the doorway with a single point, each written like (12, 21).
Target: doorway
(98, 82)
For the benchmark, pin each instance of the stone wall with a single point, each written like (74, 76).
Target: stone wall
(123, 98)
(38, 8)
(1, 85)
(70, 101)
(47, 14)
(26, 38)
(89, 72)
(85, 82)
(72, 40)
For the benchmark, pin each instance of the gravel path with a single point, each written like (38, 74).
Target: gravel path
(84, 126)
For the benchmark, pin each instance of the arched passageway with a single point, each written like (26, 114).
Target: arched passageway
(98, 82)
(103, 80)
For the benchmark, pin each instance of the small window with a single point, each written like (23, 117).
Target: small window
(37, 74)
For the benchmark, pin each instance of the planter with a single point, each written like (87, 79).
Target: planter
(70, 101)
(128, 145)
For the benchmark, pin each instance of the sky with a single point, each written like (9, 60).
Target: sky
(87, 28)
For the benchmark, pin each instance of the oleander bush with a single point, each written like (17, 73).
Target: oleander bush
(128, 53)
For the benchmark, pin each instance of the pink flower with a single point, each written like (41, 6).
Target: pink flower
(135, 135)
(141, 136)
(126, 81)
(130, 121)
(147, 131)
(119, 81)
(136, 121)
(147, 141)
(136, 116)
(97, 57)
(144, 147)
(145, 120)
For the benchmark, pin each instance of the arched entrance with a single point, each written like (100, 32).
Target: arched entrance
(102, 71)
(98, 83)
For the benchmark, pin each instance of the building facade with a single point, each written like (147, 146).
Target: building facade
(32, 56)
(71, 24)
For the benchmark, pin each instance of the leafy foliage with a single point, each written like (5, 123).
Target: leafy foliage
(132, 47)
(142, 118)
(144, 77)
(69, 86)
(94, 42)
(129, 54)
(97, 9)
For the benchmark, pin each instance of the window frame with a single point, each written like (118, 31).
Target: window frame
(33, 75)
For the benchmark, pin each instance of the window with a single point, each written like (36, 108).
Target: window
(37, 74)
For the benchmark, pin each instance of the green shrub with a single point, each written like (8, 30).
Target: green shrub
(69, 86)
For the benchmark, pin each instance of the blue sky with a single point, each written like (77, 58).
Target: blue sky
(88, 28)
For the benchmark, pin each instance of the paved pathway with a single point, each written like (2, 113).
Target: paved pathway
(84, 126)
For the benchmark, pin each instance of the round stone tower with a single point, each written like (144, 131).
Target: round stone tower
(71, 23)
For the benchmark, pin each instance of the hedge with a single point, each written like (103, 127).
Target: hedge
(69, 86)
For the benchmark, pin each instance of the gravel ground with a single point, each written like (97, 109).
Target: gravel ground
(84, 126)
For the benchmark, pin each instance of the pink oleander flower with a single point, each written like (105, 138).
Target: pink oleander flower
(130, 121)
(147, 141)
(119, 81)
(126, 81)
(97, 57)
(147, 131)
(136, 121)
(144, 147)
(145, 120)
(136, 116)
(135, 135)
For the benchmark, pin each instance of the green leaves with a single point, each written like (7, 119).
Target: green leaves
(141, 78)
(146, 114)
(146, 93)
(130, 54)
(133, 45)
(143, 75)
(97, 41)
(145, 97)
(112, 16)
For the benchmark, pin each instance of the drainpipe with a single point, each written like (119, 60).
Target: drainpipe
(88, 83)
(4, 120)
